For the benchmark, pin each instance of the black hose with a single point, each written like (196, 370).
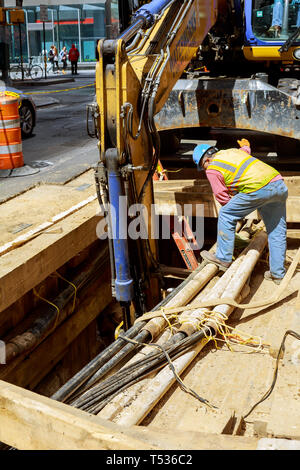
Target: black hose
(84, 374)
(95, 399)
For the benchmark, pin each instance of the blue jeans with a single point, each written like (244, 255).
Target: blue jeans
(278, 12)
(270, 201)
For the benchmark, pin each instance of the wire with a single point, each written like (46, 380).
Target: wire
(281, 349)
(181, 384)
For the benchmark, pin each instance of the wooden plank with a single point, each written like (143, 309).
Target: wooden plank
(172, 203)
(23, 268)
(41, 360)
(79, 353)
(293, 209)
(32, 422)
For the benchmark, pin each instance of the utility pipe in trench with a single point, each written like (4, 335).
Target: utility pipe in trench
(160, 384)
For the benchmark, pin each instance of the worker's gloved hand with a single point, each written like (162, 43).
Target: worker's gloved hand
(243, 143)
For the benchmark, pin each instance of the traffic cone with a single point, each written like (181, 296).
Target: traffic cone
(11, 155)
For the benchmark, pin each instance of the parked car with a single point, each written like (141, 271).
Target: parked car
(27, 110)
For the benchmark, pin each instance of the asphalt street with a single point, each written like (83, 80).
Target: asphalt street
(60, 147)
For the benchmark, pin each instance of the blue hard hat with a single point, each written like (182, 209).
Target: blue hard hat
(200, 151)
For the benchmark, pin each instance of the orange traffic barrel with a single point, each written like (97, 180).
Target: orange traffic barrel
(11, 155)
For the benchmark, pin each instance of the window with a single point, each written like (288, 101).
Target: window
(275, 19)
(81, 24)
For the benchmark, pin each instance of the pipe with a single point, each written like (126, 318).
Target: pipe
(101, 394)
(156, 325)
(160, 323)
(285, 19)
(154, 389)
(181, 295)
(144, 17)
(123, 281)
(78, 379)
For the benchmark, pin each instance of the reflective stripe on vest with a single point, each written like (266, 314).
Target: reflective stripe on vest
(242, 172)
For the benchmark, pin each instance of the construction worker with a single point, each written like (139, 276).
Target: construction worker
(242, 184)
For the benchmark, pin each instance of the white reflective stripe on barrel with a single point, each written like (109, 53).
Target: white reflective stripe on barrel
(9, 124)
(7, 100)
(9, 149)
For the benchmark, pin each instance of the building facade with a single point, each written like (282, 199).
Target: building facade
(79, 23)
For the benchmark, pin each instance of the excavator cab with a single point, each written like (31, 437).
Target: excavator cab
(272, 31)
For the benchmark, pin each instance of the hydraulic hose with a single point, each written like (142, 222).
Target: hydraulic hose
(144, 17)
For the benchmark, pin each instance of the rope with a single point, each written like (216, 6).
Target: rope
(50, 303)
(71, 284)
(58, 91)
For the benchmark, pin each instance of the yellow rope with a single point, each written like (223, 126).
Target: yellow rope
(50, 303)
(71, 284)
(117, 330)
(58, 91)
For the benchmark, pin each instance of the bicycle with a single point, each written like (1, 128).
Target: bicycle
(31, 70)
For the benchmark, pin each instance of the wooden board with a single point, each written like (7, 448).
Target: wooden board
(171, 196)
(26, 266)
(32, 422)
(28, 373)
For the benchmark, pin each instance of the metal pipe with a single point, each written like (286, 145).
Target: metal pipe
(285, 20)
(79, 34)
(124, 281)
(144, 17)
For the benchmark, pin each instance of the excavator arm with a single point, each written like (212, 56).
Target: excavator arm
(134, 77)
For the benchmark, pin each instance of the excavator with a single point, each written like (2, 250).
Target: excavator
(159, 69)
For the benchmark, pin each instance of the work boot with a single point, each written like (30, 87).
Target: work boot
(211, 258)
(274, 31)
(268, 276)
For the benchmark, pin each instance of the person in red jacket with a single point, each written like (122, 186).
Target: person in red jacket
(73, 58)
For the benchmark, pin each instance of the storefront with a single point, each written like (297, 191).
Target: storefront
(79, 24)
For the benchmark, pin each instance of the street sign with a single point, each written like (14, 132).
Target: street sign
(44, 13)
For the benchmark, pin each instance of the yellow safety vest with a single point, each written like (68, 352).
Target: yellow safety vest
(242, 173)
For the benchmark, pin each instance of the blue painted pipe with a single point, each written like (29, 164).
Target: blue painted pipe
(144, 18)
(123, 281)
(152, 8)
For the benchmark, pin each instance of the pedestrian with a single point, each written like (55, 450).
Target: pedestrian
(63, 57)
(51, 56)
(73, 58)
(55, 52)
(242, 184)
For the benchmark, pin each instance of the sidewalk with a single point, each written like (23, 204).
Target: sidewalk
(54, 78)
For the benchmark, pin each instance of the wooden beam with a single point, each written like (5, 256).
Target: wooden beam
(26, 266)
(173, 271)
(170, 200)
(32, 422)
(28, 373)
